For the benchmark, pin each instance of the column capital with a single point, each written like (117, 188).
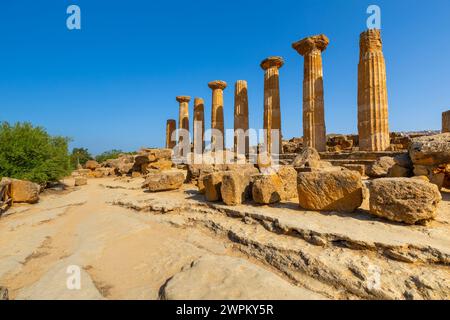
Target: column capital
(307, 45)
(272, 62)
(181, 99)
(217, 84)
(370, 40)
(198, 101)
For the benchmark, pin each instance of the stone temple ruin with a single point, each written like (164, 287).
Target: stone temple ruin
(328, 212)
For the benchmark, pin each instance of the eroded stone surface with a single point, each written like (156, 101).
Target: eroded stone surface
(404, 200)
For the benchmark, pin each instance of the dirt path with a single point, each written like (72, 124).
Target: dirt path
(120, 254)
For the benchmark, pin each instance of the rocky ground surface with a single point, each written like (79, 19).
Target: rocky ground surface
(132, 244)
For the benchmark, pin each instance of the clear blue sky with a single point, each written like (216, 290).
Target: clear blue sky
(113, 83)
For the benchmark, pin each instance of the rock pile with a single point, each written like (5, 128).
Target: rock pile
(430, 156)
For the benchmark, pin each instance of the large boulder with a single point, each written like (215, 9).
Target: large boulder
(23, 191)
(267, 189)
(334, 190)
(212, 183)
(430, 150)
(163, 181)
(194, 171)
(235, 187)
(380, 168)
(404, 200)
(288, 176)
(91, 165)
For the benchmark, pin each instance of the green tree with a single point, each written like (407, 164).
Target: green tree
(30, 153)
(79, 156)
(111, 154)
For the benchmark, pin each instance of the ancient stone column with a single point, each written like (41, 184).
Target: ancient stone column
(446, 121)
(171, 126)
(217, 123)
(199, 125)
(241, 138)
(272, 113)
(373, 127)
(183, 116)
(314, 132)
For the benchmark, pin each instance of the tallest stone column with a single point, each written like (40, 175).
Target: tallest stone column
(314, 132)
(373, 128)
(272, 112)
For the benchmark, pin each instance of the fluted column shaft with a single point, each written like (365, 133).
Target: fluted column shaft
(446, 121)
(373, 126)
(314, 131)
(171, 126)
(199, 125)
(217, 121)
(183, 125)
(272, 112)
(241, 118)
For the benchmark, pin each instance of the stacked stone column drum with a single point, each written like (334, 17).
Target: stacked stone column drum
(171, 127)
(217, 121)
(446, 121)
(183, 116)
(199, 125)
(314, 132)
(373, 126)
(272, 113)
(241, 138)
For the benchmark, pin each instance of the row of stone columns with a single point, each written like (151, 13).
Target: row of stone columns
(373, 126)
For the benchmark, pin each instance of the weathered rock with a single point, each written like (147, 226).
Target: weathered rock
(403, 199)
(381, 167)
(80, 181)
(399, 171)
(336, 190)
(223, 277)
(194, 171)
(360, 168)
(212, 183)
(91, 165)
(235, 187)
(23, 191)
(308, 158)
(288, 176)
(267, 189)
(136, 174)
(161, 164)
(4, 293)
(5, 195)
(163, 181)
(430, 150)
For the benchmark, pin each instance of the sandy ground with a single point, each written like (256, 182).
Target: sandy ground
(129, 244)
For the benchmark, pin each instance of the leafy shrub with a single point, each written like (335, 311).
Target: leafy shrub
(30, 153)
(79, 156)
(111, 154)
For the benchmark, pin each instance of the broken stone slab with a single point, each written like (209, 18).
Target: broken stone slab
(288, 176)
(430, 150)
(235, 187)
(380, 168)
(223, 277)
(334, 190)
(163, 181)
(212, 183)
(404, 200)
(267, 189)
(308, 158)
